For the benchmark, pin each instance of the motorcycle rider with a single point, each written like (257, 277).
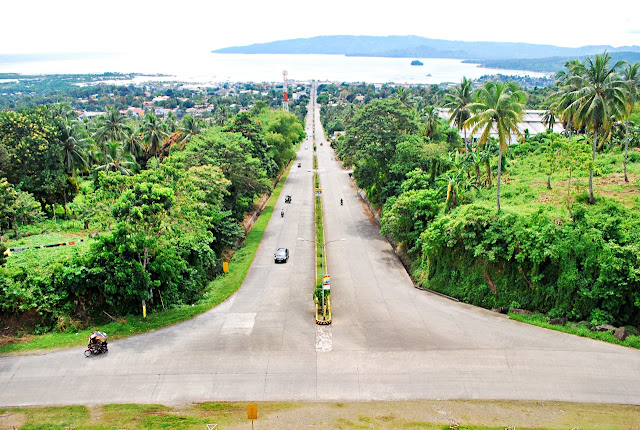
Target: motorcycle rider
(282, 213)
(341, 202)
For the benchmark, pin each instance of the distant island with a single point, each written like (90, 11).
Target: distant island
(489, 54)
(417, 63)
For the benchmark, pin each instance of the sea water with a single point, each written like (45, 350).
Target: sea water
(208, 68)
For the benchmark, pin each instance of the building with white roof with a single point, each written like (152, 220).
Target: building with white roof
(531, 121)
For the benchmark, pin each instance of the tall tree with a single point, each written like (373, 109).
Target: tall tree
(73, 146)
(371, 139)
(190, 127)
(631, 77)
(595, 95)
(458, 101)
(497, 105)
(111, 126)
(431, 121)
(153, 134)
(116, 159)
(33, 154)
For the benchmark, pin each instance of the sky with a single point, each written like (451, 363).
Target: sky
(64, 26)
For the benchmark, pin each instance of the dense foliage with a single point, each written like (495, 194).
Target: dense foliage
(162, 226)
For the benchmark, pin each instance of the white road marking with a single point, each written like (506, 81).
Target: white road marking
(324, 339)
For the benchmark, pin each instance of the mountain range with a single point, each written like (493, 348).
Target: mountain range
(422, 47)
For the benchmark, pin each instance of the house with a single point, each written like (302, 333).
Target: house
(135, 112)
(164, 111)
(89, 114)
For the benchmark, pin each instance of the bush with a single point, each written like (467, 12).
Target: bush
(585, 269)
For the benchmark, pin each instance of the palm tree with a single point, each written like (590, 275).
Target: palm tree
(594, 95)
(431, 121)
(116, 159)
(550, 115)
(458, 101)
(73, 147)
(190, 127)
(133, 143)
(631, 77)
(153, 133)
(221, 114)
(404, 96)
(112, 126)
(497, 105)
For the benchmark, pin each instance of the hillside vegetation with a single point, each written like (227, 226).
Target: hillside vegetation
(546, 223)
(95, 235)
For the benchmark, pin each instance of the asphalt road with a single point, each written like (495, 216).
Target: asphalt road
(388, 340)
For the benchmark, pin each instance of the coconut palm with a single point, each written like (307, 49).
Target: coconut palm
(594, 94)
(631, 77)
(73, 146)
(550, 115)
(111, 126)
(190, 127)
(404, 96)
(221, 114)
(133, 142)
(153, 134)
(458, 101)
(431, 121)
(497, 105)
(116, 159)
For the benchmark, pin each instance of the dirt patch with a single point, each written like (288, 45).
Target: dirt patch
(435, 414)
(13, 327)
(409, 415)
(12, 420)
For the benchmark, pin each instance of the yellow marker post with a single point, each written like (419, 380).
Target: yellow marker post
(225, 267)
(252, 413)
(144, 309)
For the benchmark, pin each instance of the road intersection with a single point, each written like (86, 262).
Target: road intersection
(388, 340)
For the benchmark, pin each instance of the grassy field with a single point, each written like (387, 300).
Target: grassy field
(330, 415)
(217, 291)
(524, 184)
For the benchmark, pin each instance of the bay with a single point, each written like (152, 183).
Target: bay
(209, 69)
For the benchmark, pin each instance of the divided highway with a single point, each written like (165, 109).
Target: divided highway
(388, 340)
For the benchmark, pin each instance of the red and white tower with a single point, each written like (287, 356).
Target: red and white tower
(285, 94)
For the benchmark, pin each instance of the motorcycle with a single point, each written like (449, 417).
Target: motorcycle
(282, 213)
(341, 202)
(97, 344)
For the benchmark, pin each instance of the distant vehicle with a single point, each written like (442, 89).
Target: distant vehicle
(306, 147)
(287, 198)
(299, 164)
(281, 255)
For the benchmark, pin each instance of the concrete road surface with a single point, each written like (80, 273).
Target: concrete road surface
(388, 340)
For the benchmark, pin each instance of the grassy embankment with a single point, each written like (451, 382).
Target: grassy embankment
(357, 415)
(216, 292)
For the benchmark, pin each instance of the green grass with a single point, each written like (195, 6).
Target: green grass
(523, 189)
(581, 330)
(216, 292)
(471, 414)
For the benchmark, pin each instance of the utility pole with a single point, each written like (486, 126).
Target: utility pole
(285, 94)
